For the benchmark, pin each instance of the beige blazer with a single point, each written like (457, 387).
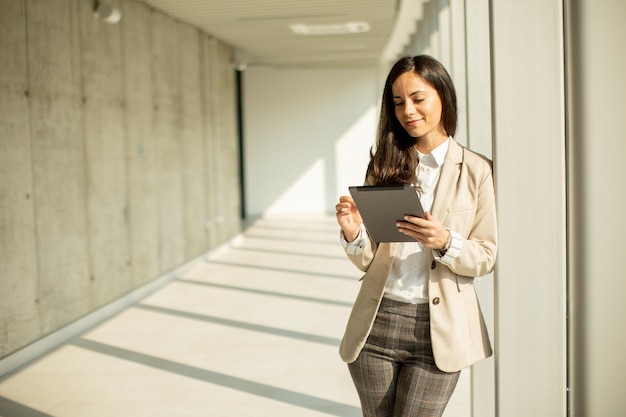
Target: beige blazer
(464, 202)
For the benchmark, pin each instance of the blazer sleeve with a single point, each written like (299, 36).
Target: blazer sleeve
(479, 227)
(362, 258)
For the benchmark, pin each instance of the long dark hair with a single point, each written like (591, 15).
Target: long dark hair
(394, 160)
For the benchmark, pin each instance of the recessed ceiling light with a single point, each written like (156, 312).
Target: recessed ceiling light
(330, 29)
(341, 47)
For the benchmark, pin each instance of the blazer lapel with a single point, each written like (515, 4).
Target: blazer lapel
(449, 177)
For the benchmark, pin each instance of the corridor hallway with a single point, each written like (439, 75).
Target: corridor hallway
(252, 330)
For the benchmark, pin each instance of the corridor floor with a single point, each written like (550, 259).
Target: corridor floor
(250, 331)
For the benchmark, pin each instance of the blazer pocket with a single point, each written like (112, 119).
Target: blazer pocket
(460, 208)
(460, 218)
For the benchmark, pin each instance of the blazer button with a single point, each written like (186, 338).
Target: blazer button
(433, 265)
(436, 300)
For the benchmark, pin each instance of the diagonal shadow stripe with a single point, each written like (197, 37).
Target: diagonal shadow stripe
(251, 387)
(243, 325)
(10, 408)
(292, 253)
(263, 292)
(318, 241)
(311, 230)
(298, 226)
(269, 268)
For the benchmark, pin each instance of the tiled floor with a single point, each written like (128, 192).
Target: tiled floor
(252, 331)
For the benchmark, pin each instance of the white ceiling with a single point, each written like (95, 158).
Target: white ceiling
(259, 29)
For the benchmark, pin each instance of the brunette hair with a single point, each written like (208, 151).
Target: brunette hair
(394, 161)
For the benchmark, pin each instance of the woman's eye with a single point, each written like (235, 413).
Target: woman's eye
(418, 100)
(399, 104)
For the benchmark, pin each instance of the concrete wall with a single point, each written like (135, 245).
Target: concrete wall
(307, 136)
(118, 157)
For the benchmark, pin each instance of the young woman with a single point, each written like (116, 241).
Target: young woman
(416, 321)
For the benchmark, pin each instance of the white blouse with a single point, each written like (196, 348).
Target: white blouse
(410, 264)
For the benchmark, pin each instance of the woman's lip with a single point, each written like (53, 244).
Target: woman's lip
(412, 122)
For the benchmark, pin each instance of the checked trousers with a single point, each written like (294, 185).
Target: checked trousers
(395, 374)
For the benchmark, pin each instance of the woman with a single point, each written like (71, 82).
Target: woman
(416, 321)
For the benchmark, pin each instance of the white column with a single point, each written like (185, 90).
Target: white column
(529, 164)
(597, 149)
(479, 139)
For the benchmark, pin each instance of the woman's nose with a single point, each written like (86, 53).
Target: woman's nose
(409, 107)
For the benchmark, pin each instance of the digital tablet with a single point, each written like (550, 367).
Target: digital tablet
(382, 206)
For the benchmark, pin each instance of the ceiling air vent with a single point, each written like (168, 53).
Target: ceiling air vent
(330, 29)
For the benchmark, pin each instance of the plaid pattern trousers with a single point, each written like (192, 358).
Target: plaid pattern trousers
(395, 374)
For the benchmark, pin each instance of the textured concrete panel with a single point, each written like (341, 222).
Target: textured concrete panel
(141, 147)
(167, 134)
(19, 318)
(105, 151)
(219, 196)
(208, 138)
(192, 146)
(59, 169)
(226, 142)
(106, 174)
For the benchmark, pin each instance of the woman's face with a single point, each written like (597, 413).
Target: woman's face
(418, 107)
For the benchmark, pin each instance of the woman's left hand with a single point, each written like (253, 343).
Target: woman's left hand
(427, 231)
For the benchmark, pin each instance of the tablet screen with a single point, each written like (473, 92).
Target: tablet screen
(382, 206)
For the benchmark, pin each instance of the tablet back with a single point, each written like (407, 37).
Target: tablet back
(382, 206)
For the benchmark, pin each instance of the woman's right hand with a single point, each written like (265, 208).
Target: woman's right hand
(348, 217)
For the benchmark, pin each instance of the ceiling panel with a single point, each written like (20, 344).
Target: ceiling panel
(259, 29)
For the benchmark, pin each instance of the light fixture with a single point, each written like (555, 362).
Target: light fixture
(106, 12)
(240, 61)
(330, 29)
